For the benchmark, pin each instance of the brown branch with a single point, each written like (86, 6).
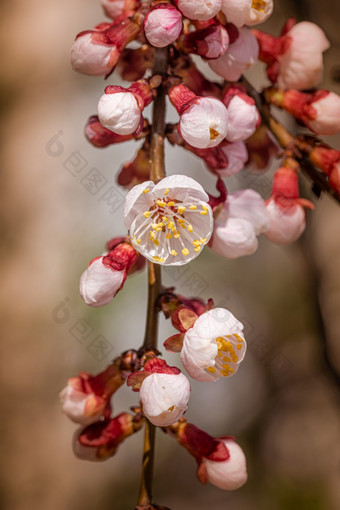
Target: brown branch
(157, 172)
(286, 140)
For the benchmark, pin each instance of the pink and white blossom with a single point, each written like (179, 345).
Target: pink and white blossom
(80, 406)
(115, 8)
(170, 222)
(99, 283)
(247, 12)
(210, 42)
(163, 25)
(214, 346)
(205, 123)
(119, 112)
(243, 117)
(240, 56)
(227, 474)
(301, 63)
(91, 57)
(323, 114)
(285, 208)
(165, 397)
(242, 219)
(237, 155)
(96, 52)
(286, 222)
(199, 9)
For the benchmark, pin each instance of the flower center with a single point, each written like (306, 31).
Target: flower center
(227, 356)
(171, 228)
(259, 5)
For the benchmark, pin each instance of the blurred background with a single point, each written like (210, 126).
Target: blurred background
(283, 405)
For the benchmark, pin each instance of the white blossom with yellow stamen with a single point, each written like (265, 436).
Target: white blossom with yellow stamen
(214, 347)
(170, 222)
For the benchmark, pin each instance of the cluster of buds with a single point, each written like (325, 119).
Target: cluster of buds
(169, 220)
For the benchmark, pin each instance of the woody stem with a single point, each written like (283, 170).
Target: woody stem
(157, 172)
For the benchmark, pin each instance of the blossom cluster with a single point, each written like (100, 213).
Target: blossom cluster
(170, 219)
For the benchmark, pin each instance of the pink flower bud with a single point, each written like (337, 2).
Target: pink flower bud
(86, 398)
(210, 42)
(120, 110)
(100, 283)
(242, 218)
(295, 59)
(214, 346)
(99, 136)
(204, 120)
(91, 57)
(285, 209)
(115, 8)
(220, 460)
(228, 474)
(199, 9)
(106, 275)
(323, 114)
(301, 64)
(163, 25)
(320, 111)
(96, 52)
(100, 440)
(247, 12)
(242, 114)
(236, 156)
(164, 392)
(241, 54)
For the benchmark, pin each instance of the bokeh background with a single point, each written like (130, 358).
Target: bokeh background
(283, 405)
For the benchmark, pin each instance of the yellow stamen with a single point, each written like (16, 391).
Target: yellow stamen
(203, 240)
(168, 236)
(190, 228)
(212, 370)
(146, 214)
(203, 213)
(258, 5)
(170, 204)
(193, 207)
(160, 203)
(197, 249)
(177, 235)
(213, 133)
(146, 191)
(170, 225)
(185, 251)
(158, 259)
(166, 191)
(174, 253)
(181, 209)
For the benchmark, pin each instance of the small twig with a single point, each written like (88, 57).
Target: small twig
(288, 141)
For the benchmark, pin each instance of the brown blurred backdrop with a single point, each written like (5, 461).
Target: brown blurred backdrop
(283, 405)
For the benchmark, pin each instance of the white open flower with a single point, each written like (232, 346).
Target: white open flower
(229, 474)
(214, 347)
(165, 397)
(170, 222)
(119, 112)
(205, 123)
(247, 12)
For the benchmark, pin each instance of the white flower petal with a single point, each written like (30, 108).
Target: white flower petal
(99, 283)
(234, 238)
(229, 474)
(165, 397)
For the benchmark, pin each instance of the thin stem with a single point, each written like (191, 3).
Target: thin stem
(157, 172)
(288, 141)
